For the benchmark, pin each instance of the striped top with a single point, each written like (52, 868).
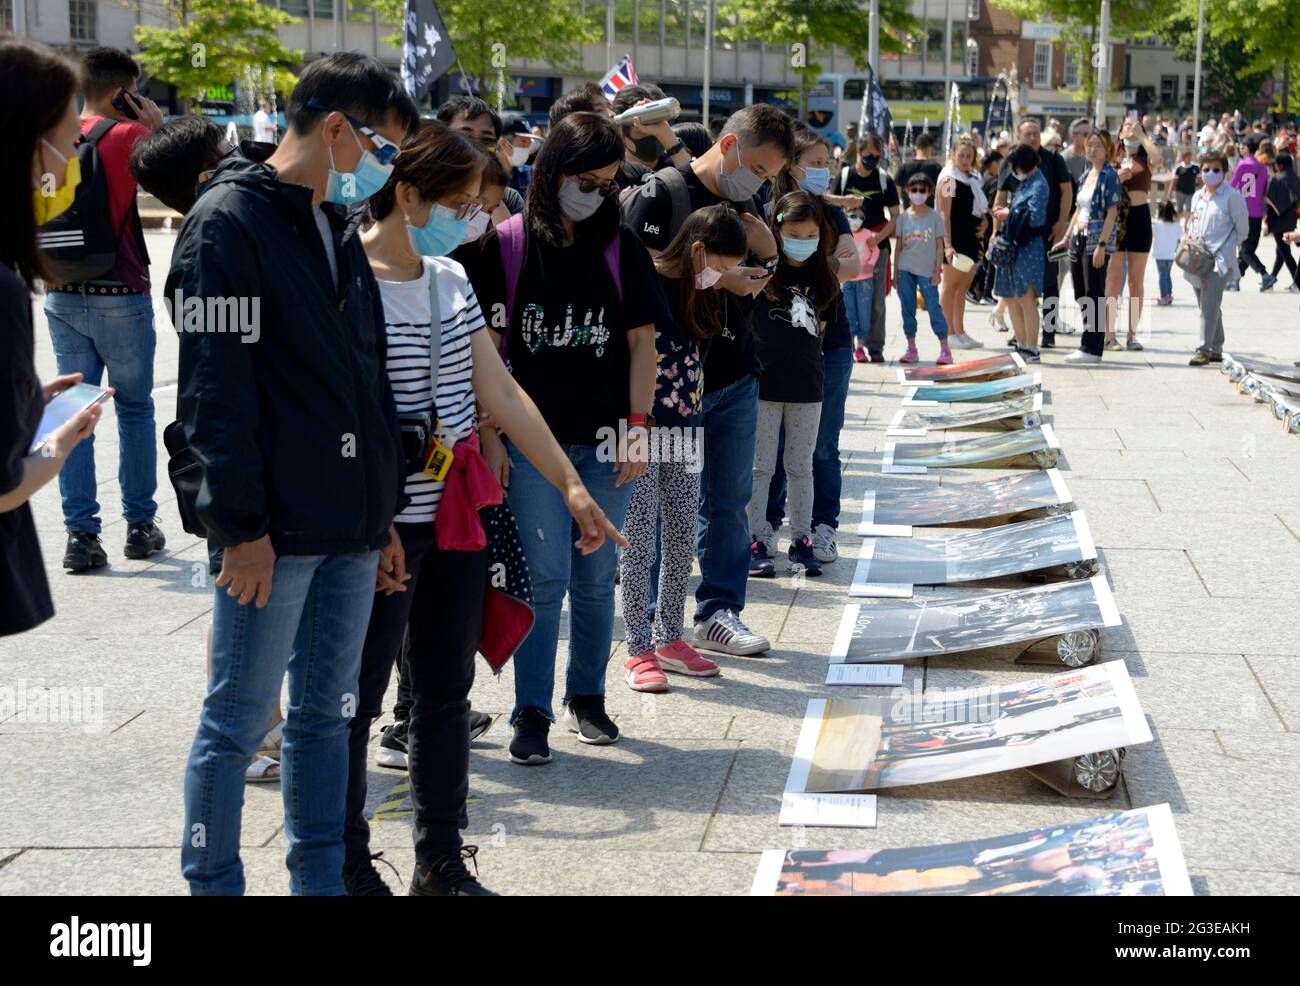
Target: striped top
(406, 322)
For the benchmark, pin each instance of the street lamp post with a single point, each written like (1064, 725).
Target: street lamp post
(708, 60)
(1196, 83)
(947, 66)
(873, 46)
(1103, 61)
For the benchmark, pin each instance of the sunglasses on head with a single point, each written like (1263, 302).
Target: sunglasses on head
(385, 151)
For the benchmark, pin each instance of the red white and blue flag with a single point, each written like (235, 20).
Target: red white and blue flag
(622, 74)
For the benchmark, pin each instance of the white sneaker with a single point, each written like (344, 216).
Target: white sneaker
(959, 340)
(1079, 356)
(974, 343)
(724, 633)
(823, 543)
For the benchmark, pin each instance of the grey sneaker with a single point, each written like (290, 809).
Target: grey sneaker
(823, 543)
(724, 633)
(1133, 346)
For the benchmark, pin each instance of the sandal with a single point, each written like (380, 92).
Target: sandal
(272, 742)
(262, 770)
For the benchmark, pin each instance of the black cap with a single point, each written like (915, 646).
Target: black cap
(515, 123)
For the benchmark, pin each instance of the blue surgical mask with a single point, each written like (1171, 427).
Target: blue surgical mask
(799, 250)
(368, 177)
(441, 233)
(815, 180)
(1129, 143)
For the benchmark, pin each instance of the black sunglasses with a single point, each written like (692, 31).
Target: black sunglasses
(606, 189)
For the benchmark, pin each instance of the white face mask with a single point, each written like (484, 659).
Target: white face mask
(477, 226)
(918, 198)
(518, 156)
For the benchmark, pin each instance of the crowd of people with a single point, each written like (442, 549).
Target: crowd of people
(479, 378)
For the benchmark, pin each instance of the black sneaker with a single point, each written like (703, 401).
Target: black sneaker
(392, 747)
(479, 723)
(84, 552)
(529, 747)
(585, 715)
(802, 557)
(760, 562)
(363, 880)
(446, 876)
(142, 540)
(1048, 340)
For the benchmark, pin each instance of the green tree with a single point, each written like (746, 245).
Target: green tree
(489, 34)
(1251, 40)
(1227, 78)
(803, 26)
(1078, 22)
(204, 43)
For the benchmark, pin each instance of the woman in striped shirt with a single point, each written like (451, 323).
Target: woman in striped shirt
(422, 214)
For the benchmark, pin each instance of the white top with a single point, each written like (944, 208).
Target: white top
(1166, 237)
(263, 128)
(1084, 202)
(406, 323)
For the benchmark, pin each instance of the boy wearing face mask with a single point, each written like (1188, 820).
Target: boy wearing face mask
(289, 425)
(649, 146)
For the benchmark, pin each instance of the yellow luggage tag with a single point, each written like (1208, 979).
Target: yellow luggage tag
(437, 463)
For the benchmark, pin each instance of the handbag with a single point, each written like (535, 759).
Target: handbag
(1194, 257)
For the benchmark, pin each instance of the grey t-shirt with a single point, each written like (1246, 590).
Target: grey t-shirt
(914, 239)
(327, 237)
(1077, 163)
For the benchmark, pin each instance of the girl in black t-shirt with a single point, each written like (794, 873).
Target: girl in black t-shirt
(789, 319)
(710, 242)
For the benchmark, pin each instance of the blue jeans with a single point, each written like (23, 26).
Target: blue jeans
(857, 302)
(1165, 267)
(828, 477)
(92, 333)
(548, 531)
(908, 283)
(313, 627)
(722, 538)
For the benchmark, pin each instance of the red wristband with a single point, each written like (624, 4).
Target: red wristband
(636, 419)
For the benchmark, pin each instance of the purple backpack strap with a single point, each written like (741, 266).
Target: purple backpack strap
(510, 238)
(613, 260)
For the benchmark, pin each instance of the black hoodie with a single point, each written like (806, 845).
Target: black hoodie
(283, 391)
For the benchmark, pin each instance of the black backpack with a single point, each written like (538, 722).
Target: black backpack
(79, 245)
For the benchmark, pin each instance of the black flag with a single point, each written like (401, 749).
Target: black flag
(427, 51)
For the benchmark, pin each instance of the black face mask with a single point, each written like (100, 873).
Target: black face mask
(869, 162)
(647, 148)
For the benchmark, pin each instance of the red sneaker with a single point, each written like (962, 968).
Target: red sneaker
(680, 657)
(643, 674)
(859, 355)
(945, 355)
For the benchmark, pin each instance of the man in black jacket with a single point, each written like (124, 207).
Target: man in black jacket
(286, 405)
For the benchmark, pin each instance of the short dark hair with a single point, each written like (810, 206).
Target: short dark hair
(352, 83)
(629, 96)
(1022, 158)
(924, 141)
(471, 108)
(798, 206)
(695, 136)
(586, 97)
(494, 172)
(1253, 142)
(722, 233)
(923, 180)
(436, 160)
(1215, 156)
(1167, 214)
(578, 142)
(990, 159)
(1283, 161)
(167, 163)
(36, 86)
(105, 70)
(762, 124)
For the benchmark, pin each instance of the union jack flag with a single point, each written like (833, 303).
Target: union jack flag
(622, 74)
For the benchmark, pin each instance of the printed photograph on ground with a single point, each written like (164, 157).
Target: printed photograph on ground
(983, 390)
(913, 737)
(1018, 412)
(895, 630)
(1032, 447)
(975, 369)
(895, 510)
(891, 566)
(1121, 854)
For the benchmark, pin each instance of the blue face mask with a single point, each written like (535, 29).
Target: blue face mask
(815, 180)
(799, 250)
(368, 177)
(441, 233)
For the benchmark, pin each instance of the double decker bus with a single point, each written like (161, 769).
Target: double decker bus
(835, 103)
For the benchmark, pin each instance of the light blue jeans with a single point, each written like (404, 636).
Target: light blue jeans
(908, 283)
(857, 303)
(313, 628)
(548, 531)
(93, 333)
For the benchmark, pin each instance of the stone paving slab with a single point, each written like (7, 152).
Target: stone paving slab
(1189, 488)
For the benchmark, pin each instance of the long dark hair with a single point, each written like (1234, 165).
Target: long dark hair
(577, 143)
(721, 232)
(436, 161)
(805, 138)
(36, 86)
(796, 207)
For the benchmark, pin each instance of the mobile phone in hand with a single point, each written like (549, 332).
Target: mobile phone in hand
(125, 104)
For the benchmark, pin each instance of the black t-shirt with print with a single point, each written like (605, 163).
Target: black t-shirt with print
(729, 356)
(1185, 178)
(788, 341)
(568, 333)
(1054, 169)
(878, 191)
(678, 389)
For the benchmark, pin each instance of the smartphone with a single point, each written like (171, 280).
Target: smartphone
(655, 111)
(125, 104)
(64, 407)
